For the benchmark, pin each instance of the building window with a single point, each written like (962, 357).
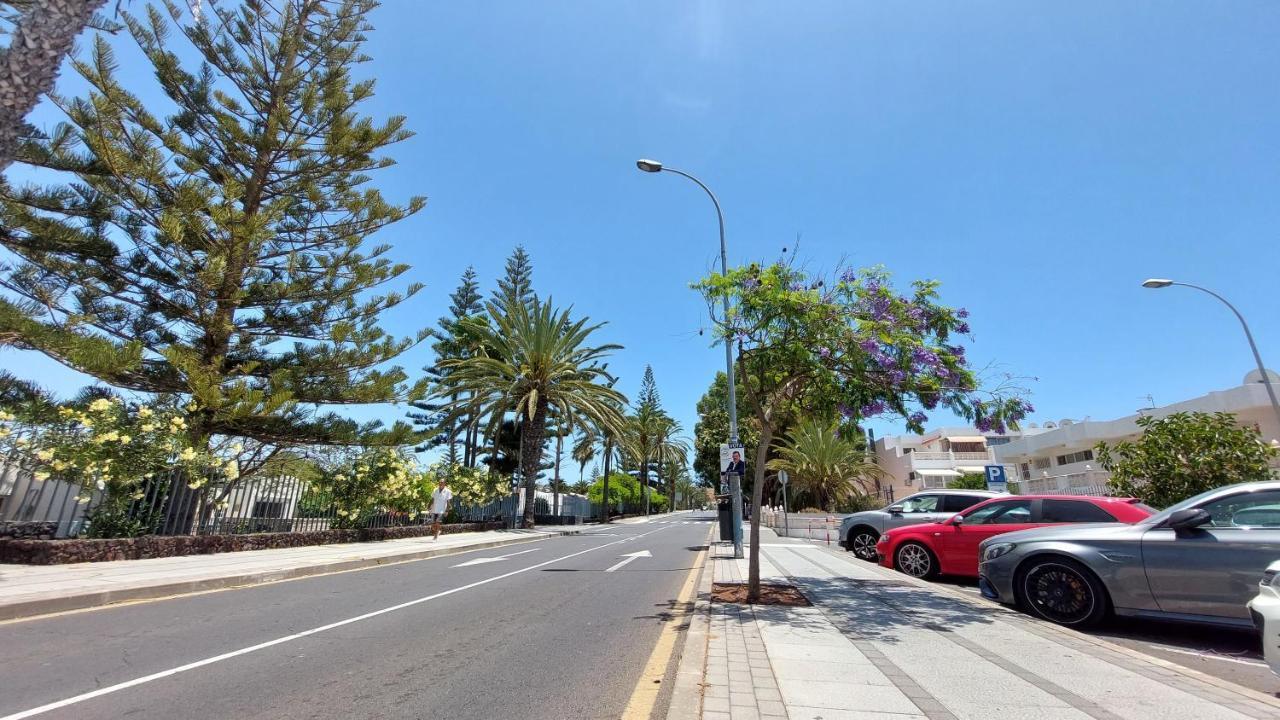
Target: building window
(1026, 471)
(1042, 463)
(1075, 457)
(998, 440)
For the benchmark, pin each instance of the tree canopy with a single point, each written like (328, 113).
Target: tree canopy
(1185, 454)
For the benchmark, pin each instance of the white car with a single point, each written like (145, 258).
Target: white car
(1265, 609)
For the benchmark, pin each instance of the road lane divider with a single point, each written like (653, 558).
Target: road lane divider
(76, 699)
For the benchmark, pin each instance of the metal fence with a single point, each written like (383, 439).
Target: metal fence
(253, 505)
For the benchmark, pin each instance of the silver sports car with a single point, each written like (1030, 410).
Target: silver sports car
(1198, 561)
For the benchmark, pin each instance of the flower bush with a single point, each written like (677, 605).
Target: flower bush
(373, 479)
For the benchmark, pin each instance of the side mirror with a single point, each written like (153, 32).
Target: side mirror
(894, 510)
(1188, 519)
(956, 520)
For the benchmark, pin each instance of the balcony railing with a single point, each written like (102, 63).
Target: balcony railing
(954, 456)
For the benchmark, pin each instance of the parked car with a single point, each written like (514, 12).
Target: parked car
(1197, 561)
(950, 547)
(1265, 609)
(860, 531)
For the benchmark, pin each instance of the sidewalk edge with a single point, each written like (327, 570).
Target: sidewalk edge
(686, 697)
(31, 609)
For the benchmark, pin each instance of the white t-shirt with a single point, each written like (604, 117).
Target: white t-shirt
(439, 499)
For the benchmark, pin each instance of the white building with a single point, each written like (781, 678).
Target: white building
(1059, 457)
(934, 459)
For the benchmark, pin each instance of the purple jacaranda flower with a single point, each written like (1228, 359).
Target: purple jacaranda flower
(983, 424)
(869, 345)
(999, 427)
(844, 410)
(849, 275)
(824, 352)
(918, 418)
(796, 286)
(897, 377)
(963, 328)
(929, 402)
(872, 287)
(915, 313)
(1028, 408)
(873, 408)
(750, 284)
(924, 356)
(956, 350)
(962, 313)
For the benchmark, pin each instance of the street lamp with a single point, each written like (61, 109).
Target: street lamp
(1157, 283)
(735, 488)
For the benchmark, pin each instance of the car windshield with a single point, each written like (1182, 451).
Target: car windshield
(1189, 502)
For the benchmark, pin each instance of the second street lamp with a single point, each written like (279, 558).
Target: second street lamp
(1157, 283)
(653, 166)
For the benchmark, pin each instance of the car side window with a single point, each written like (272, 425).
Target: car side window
(1255, 509)
(1073, 511)
(920, 504)
(1001, 513)
(956, 503)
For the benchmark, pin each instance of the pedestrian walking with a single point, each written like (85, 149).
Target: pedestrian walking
(440, 498)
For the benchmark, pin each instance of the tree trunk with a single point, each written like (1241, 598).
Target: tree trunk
(608, 453)
(555, 481)
(644, 482)
(43, 37)
(531, 457)
(757, 493)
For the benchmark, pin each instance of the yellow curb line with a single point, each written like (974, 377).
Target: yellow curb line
(645, 696)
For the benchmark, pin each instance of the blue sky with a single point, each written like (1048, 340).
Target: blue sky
(1040, 159)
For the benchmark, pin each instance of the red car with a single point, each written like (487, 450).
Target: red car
(950, 547)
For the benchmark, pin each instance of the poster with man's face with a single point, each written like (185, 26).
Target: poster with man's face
(732, 460)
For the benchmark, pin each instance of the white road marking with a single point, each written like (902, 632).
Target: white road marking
(629, 557)
(287, 638)
(500, 558)
(1205, 655)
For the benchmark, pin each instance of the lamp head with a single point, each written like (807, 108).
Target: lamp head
(1154, 283)
(649, 165)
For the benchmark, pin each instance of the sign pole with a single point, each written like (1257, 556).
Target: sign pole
(786, 525)
(735, 489)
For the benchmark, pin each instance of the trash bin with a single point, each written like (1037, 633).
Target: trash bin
(724, 508)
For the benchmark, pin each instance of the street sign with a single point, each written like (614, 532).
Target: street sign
(782, 476)
(996, 480)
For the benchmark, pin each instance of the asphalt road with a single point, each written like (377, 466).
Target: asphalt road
(544, 633)
(1232, 655)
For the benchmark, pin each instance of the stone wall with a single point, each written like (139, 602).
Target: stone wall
(28, 530)
(28, 551)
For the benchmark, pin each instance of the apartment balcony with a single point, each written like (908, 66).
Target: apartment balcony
(962, 461)
(1087, 482)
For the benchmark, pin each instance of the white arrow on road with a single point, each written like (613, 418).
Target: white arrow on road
(482, 561)
(628, 558)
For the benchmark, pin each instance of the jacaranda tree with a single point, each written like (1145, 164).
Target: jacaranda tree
(813, 346)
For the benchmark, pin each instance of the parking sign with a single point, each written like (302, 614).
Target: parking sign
(996, 480)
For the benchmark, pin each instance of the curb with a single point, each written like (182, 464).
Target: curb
(1078, 636)
(686, 697)
(36, 608)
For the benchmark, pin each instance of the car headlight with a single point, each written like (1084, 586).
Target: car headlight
(1269, 578)
(995, 551)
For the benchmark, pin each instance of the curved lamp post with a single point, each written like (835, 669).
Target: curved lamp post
(1157, 283)
(653, 166)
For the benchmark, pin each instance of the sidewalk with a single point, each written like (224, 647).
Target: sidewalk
(877, 644)
(28, 590)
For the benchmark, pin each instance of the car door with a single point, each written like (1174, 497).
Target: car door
(1214, 569)
(958, 544)
(921, 508)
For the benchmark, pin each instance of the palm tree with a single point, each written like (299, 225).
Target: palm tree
(824, 465)
(540, 366)
(584, 450)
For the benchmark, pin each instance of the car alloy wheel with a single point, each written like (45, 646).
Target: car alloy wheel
(1062, 593)
(863, 545)
(915, 560)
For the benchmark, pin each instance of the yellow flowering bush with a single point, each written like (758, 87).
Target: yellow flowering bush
(373, 479)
